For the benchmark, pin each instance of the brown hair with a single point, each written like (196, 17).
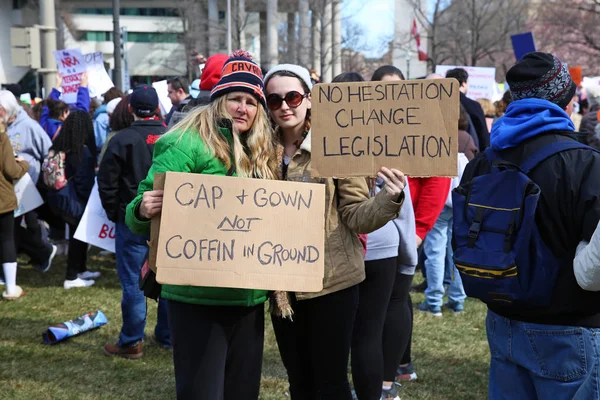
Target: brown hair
(463, 119)
(121, 118)
(56, 108)
(111, 94)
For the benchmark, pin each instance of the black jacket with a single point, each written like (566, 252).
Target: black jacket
(177, 108)
(568, 212)
(477, 116)
(125, 164)
(589, 121)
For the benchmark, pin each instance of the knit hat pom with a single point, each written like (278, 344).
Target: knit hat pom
(241, 54)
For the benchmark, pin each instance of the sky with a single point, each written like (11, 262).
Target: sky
(377, 19)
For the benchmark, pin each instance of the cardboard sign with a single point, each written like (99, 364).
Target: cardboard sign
(71, 64)
(522, 44)
(95, 228)
(162, 89)
(357, 128)
(99, 81)
(481, 80)
(28, 197)
(232, 232)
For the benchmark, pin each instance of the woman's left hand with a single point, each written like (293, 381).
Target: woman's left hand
(394, 182)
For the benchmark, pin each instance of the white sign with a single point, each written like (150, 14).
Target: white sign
(71, 64)
(28, 197)
(99, 81)
(162, 89)
(95, 228)
(482, 81)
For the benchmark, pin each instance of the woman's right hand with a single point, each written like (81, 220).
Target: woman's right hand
(59, 80)
(151, 204)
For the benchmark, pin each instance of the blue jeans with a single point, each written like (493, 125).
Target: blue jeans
(533, 361)
(438, 250)
(131, 250)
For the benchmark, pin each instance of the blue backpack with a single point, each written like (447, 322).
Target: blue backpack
(498, 249)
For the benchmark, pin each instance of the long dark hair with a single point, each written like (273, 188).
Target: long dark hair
(76, 132)
(386, 70)
(121, 118)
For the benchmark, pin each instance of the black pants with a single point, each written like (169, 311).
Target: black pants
(29, 240)
(8, 252)
(217, 351)
(397, 331)
(367, 339)
(315, 347)
(77, 256)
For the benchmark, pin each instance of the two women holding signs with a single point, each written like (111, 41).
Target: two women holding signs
(218, 333)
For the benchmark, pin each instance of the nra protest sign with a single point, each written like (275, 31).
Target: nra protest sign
(359, 127)
(95, 228)
(232, 232)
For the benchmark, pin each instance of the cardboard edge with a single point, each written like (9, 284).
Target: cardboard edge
(159, 184)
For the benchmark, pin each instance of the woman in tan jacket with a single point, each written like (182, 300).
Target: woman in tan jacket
(11, 169)
(315, 346)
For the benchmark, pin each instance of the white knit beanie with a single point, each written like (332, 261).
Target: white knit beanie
(593, 94)
(301, 72)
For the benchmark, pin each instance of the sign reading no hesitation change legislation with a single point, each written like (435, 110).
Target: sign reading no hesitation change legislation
(359, 127)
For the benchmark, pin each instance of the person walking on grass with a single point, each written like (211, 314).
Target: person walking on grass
(124, 165)
(532, 198)
(12, 168)
(315, 345)
(217, 333)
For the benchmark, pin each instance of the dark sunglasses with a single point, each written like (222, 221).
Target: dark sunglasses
(293, 99)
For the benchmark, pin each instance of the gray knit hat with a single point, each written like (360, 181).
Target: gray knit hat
(542, 76)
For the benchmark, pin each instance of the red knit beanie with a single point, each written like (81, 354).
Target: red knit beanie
(212, 71)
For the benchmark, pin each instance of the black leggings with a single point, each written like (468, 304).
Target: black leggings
(315, 347)
(8, 251)
(77, 256)
(217, 350)
(397, 332)
(367, 339)
(29, 240)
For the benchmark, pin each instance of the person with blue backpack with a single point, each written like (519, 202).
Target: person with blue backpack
(520, 212)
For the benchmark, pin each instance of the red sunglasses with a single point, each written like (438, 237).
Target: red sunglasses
(293, 99)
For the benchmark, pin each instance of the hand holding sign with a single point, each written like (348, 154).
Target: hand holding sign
(59, 80)
(394, 182)
(151, 204)
(84, 79)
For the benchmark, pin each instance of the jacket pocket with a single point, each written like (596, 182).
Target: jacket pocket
(560, 353)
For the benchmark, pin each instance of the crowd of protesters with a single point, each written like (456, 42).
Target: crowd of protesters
(378, 230)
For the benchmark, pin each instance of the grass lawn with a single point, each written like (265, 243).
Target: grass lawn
(450, 354)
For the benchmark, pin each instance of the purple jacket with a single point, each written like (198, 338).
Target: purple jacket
(51, 125)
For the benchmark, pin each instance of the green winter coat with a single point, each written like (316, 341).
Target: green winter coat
(177, 152)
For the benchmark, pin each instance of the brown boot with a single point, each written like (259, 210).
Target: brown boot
(130, 353)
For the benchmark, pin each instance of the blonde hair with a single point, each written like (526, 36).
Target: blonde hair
(488, 107)
(261, 160)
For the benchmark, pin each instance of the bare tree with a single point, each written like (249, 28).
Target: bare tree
(570, 30)
(470, 32)
(353, 46)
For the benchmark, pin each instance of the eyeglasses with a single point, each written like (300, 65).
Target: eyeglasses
(293, 99)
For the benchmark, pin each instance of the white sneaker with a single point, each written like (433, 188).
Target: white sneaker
(77, 283)
(88, 275)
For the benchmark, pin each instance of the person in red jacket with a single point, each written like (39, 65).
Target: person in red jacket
(428, 197)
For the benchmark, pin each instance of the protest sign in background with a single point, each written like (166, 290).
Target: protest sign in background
(95, 228)
(162, 89)
(71, 64)
(241, 233)
(357, 128)
(481, 80)
(28, 197)
(99, 81)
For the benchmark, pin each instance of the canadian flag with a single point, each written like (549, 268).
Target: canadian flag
(415, 33)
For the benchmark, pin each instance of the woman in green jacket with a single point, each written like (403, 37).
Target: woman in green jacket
(217, 333)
